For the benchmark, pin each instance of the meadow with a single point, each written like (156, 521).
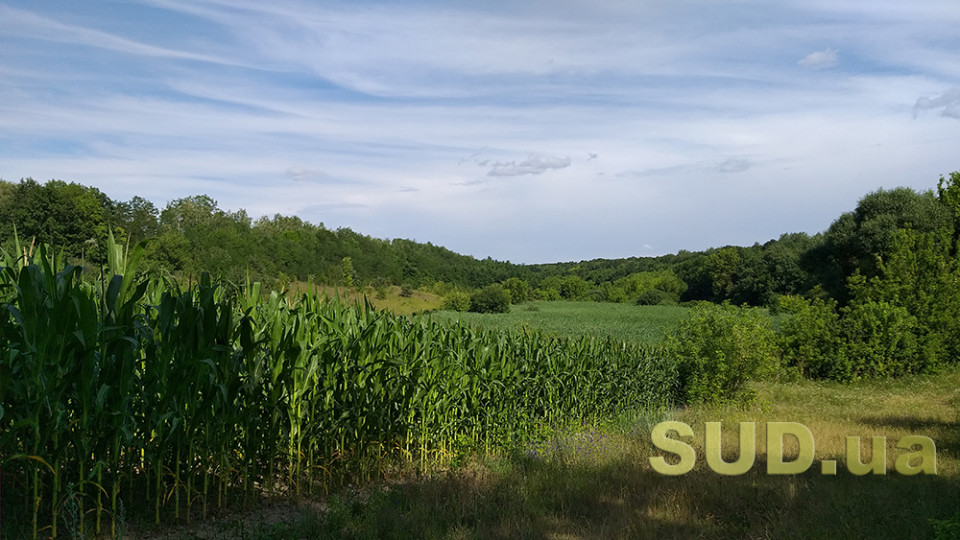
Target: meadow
(391, 298)
(640, 324)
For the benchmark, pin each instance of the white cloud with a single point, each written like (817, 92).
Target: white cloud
(949, 102)
(826, 58)
(24, 24)
(534, 164)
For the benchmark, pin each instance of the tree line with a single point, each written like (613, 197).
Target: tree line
(193, 234)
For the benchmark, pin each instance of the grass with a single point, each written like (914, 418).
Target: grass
(392, 300)
(596, 482)
(619, 321)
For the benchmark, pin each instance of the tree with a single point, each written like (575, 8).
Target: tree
(858, 241)
(346, 271)
(519, 290)
(573, 287)
(491, 299)
(189, 213)
(723, 265)
(66, 216)
(140, 218)
(948, 193)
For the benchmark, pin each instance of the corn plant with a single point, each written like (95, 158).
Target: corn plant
(134, 393)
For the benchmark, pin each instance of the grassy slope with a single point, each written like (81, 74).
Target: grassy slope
(392, 301)
(619, 321)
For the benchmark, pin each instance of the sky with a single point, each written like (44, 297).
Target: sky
(528, 131)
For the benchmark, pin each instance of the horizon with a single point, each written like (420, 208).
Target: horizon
(544, 131)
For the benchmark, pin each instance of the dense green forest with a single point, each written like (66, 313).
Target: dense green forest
(192, 234)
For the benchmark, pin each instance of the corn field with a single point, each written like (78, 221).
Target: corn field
(135, 394)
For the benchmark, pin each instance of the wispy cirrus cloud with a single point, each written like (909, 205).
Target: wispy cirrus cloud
(28, 25)
(534, 164)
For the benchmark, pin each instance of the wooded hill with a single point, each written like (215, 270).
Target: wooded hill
(193, 234)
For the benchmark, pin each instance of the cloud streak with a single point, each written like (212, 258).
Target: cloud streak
(24, 24)
(534, 164)
(948, 104)
(824, 59)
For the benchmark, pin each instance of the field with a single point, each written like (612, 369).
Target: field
(132, 400)
(391, 300)
(587, 319)
(595, 481)
(134, 408)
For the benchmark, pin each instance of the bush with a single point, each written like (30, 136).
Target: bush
(880, 340)
(656, 297)
(719, 348)
(519, 290)
(491, 299)
(809, 335)
(863, 340)
(546, 294)
(457, 301)
(573, 288)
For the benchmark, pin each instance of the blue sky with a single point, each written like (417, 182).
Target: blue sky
(525, 131)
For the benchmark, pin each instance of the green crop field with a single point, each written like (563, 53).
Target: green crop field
(133, 406)
(132, 400)
(596, 481)
(642, 324)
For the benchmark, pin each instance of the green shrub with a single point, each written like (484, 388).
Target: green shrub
(863, 340)
(809, 335)
(573, 288)
(491, 299)
(719, 348)
(546, 294)
(457, 301)
(519, 290)
(656, 297)
(879, 340)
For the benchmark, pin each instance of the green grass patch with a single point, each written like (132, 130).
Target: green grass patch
(390, 300)
(624, 322)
